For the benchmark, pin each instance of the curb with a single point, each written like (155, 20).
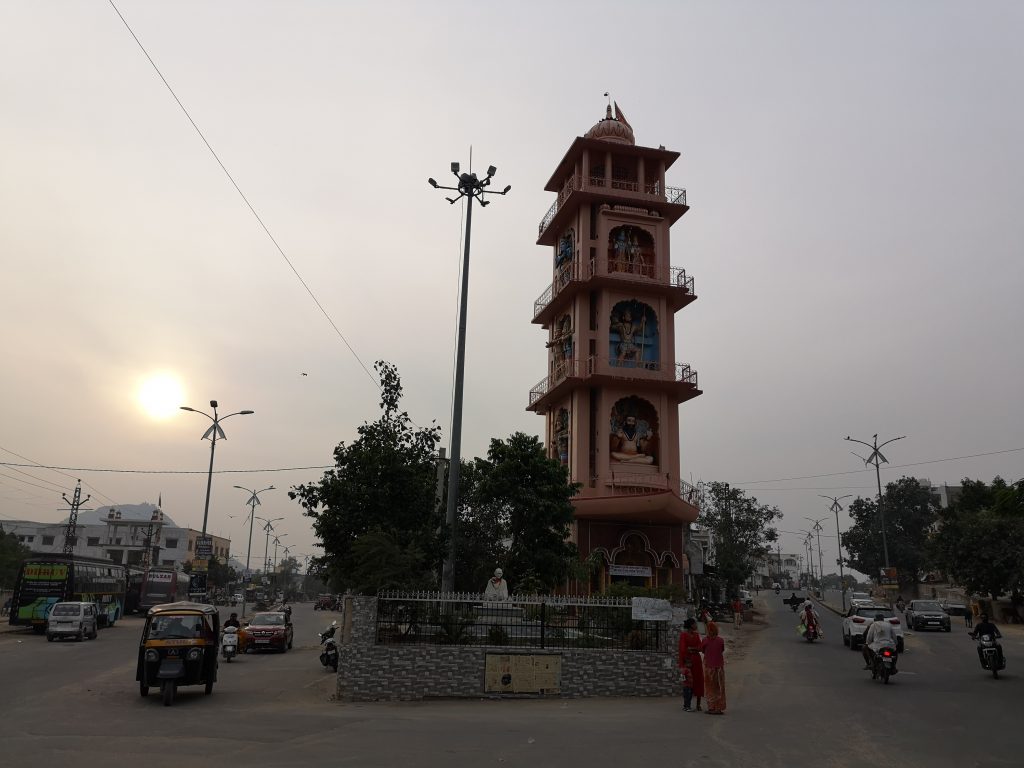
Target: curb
(830, 607)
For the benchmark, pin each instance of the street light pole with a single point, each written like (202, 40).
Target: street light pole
(821, 567)
(877, 459)
(253, 502)
(836, 506)
(470, 187)
(266, 547)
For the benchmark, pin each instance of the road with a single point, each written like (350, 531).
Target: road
(790, 704)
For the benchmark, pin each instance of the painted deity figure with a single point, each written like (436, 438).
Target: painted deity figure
(635, 259)
(497, 587)
(627, 348)
(561, 435)
(632, 443)
(621, 251)
(561, 340)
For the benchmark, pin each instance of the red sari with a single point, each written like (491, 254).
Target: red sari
(689, 650)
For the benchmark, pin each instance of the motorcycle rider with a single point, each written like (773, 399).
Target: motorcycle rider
(900, 604)
(879, 634)
(233, 622)
(986, 627)
(810, 618)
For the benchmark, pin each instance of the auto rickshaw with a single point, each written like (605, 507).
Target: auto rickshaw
(178, 647)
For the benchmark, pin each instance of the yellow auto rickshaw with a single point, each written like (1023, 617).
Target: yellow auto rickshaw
(178, 647)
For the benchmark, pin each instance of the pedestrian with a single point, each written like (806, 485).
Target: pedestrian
(713, 647)
(689, 658)
(737, 612)
(969, 615)
(687, 670)
(7, 607)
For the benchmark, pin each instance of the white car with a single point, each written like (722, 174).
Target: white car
(860, 617)
(861, 598)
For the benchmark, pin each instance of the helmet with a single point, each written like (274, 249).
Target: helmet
(879, 616)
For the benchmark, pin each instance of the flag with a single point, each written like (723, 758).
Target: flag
(621, 117)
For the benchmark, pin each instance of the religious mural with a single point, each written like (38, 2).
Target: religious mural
(560, 435)
(631, 250)
(633, 336)
(563, 258)
(561, 346)
(634, 432)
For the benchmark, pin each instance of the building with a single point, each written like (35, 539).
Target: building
(122, 533)
(611, 394)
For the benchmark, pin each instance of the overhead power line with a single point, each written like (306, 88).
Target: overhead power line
(163, 471)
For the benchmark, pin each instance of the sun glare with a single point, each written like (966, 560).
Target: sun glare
(160, 395)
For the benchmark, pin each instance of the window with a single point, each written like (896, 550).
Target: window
(47, 540)
(166, 562)
(190, 545)
(93, 541)
(171, 544)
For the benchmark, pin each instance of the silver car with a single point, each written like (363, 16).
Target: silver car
(926, 614)
(77, 620)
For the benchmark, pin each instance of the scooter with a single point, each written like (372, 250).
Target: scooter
(329, 655)
(229, 643)
(884, 664)
(777, 591)
(990, 654)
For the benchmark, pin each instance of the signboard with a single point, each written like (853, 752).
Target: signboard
(204, 547)
(651, 609)
(889, 577)
(197, 584)
(160, 576)
(522, 673)
(629, 570)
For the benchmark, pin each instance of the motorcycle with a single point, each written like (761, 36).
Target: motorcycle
(990, 654)
(329, 655)
(229, 643)
(884, 664)
(777, 591)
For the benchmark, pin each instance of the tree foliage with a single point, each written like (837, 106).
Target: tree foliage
(910, 512)
(519, 496)
(980, 539)
(741, 531)
(379, 501)
(12, 552)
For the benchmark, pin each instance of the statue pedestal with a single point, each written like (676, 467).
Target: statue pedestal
(500, 611)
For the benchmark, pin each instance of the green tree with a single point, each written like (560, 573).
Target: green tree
(12, 552)
(519, 496)
(479, 534)
(980, 538)
(383, 486)
(910, 513)
(741, 531)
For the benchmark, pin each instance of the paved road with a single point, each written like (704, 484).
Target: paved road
(790, 704)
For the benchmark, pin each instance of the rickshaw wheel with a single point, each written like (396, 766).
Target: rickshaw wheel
(209, 687)
(143, 690)
(168, 690)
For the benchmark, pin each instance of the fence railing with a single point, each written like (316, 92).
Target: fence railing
(524, 621)
(674, 195)
(571, 272)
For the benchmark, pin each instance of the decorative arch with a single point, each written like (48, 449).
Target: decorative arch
(634, 542)
(633, 337)
(669, 559)
(634, 432)
(631, 251)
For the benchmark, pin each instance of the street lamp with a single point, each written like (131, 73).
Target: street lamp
(877, 459)
(266, 547)
(471, 188)
(253, 502)
(212, 434)
(836, 506)
(821, 568)
(277, 541)
(809, 550)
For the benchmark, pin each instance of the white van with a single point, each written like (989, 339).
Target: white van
(77, 620)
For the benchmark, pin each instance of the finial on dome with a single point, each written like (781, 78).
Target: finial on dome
(613, 127)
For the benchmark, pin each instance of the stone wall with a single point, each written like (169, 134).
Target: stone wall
(371, 672)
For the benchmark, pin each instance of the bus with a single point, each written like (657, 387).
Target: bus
(133, 587)
(44, 580)
(163, 584)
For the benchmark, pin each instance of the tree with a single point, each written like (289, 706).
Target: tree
(741, 531)
(12, 552)
(910, 513)
(980, 538)
(520, 496)
(383, 487)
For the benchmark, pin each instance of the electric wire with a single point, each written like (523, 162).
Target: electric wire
(245, 199)
(72, 477)
(167, 471)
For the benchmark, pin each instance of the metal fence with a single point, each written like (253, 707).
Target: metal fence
(524, 621)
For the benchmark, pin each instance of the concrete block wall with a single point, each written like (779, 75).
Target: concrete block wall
(371, 672)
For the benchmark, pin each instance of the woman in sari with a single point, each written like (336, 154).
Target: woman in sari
(713, 647)
(689, 656)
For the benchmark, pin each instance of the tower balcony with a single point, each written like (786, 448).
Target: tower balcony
(573, 277)
(639, 498)
(670, 201)
(678, 379)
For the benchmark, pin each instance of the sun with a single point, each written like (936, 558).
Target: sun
(160, 395)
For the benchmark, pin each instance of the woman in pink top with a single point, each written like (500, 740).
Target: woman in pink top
(714, 670)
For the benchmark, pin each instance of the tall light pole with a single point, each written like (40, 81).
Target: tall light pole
(809, 550)
(821, 568)
(836, 506)
(268, 527)
(253, 502)
(469, 187)
(877, 459)
(212, 434)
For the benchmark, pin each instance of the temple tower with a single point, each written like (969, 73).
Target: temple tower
(613, 386)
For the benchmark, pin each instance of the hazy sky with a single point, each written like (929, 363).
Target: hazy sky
(852, 170)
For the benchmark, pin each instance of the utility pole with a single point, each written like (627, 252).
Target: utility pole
(778, 551)
(253, 502)
(876, 459)
(71, 529)
(821, 568)
(836, 506)
(469, 187)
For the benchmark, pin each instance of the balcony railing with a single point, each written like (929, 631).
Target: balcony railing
(674, 195)
(576, 368)
(571, 272)
(686, 374)
(689, 494)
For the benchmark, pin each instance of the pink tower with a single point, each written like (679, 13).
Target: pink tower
(613, 383)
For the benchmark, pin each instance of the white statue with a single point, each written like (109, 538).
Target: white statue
(497, 587)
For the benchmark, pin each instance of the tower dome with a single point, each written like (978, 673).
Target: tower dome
(612, 128)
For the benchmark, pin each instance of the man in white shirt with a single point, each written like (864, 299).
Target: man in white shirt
(879, 634)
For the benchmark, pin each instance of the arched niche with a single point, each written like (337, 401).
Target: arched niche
(631, 251)
(634, 433)
(560, 436)
(633, 339)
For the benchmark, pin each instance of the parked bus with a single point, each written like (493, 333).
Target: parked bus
(47, 579)
(133, 588)
(163, 585)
